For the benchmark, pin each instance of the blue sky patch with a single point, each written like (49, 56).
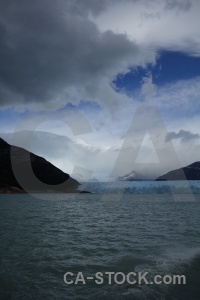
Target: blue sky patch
(170, 67)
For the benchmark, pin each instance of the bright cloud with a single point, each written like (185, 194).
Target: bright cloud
(172, 25)
(148, 88)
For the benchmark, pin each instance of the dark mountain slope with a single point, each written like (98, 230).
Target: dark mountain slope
(43, 170)
(191, 172)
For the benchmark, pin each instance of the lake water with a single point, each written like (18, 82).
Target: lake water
(123, 227)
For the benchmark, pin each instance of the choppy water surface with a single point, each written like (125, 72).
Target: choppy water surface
(43, 239)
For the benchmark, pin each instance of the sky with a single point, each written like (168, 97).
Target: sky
(107, 86)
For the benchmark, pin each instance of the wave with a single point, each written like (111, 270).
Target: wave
(171, 262)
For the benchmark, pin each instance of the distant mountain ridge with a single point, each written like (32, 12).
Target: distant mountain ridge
(43, 170)
(190, 172)
(132, 176)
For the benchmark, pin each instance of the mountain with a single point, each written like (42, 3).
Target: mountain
(60, 150)
(191, 172)
(43, 170)
(132, 176)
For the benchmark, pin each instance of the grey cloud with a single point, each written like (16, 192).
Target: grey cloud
(183, 135)
(51, 53)
(178, 4)
(183, 5)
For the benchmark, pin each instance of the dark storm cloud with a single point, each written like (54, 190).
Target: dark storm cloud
(51, 53)
(183, 135)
